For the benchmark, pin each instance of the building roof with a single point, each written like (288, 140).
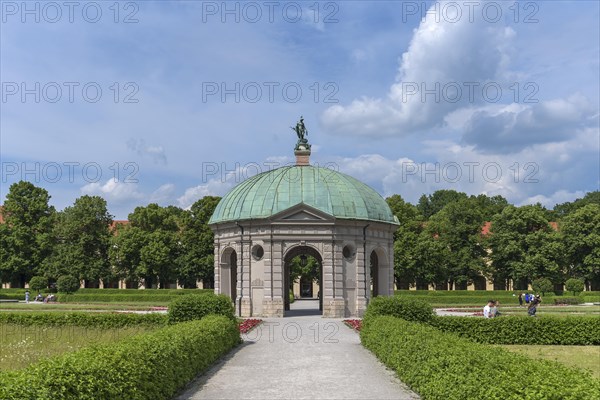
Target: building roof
(331, 192)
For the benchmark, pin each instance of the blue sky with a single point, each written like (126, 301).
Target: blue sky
(169, 101)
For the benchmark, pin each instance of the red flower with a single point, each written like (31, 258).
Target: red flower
(248, 324)
(355, 324)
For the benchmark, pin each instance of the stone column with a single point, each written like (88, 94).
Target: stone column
(217, 258)
(333, 305)
(273, 305)
(244, 273)
(361, 282)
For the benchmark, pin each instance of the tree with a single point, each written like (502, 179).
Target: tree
(489, 206)
(149, 247)
(524, 246)
(574, 285)
(26, 234)
(38, 283)
(310, 271)
(124, 254)
(458, 228)
(543, 285)
(564, 209)
(157, 259)
(405, 241)
(67, 284)
(581, 235)
(432, 204)
(196, 260)
(82, 237)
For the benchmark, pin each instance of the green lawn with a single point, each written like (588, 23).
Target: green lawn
(21, 346)
(561, 311)
(584, 357)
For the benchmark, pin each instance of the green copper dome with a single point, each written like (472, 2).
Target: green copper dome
(274, 191)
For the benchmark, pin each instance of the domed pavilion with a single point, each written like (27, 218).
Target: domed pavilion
(303, 210)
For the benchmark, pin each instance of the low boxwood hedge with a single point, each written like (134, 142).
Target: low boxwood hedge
(116, 298)
(480, 297)
(162, 296)
(568, 300)
(546, 330)
(99, 320)
(444, 366)
(155, 365)
(408, 308)
(187, 308)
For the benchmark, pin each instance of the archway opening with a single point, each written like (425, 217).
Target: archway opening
(229, 273)
(303, 282)
(374, 267)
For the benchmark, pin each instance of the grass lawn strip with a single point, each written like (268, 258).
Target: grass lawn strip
(583, 357)
(21, 345)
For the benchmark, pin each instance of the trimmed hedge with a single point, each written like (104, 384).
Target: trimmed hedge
(444, 366)
(480, 297)
(115, 298)
(405, 307)
(546, 330)
(188, 308)
(155, 365)
(100, 320)
(111, 295)
(568, 300)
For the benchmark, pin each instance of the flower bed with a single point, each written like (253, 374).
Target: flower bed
(248, 324)
(355, 324)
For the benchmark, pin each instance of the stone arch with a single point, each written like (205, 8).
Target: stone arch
(379, 269)
(288, 255)
(228, 273)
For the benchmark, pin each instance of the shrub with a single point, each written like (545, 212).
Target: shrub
(574, 285)
(187, 308)
(568, 300)
(38, 283)
(99, 320)
(67, 284)
(149, 366)
(439, 365)
(547, 330)
(543, 285)
(404, 307)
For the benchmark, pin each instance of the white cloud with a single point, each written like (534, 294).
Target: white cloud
(528, 176)
(513, 128)
(113, 190)
(561, 196)
(446, 57)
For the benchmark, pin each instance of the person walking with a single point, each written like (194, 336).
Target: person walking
(27, 296)
(521, 299)
(532, 309)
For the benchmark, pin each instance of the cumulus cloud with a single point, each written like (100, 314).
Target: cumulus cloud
(513, 127)
(558, 197)
(455, 78)
(548, 173)
(113, 190)
(444, 69)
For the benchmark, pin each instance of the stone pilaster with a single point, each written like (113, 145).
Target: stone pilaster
(273, 308)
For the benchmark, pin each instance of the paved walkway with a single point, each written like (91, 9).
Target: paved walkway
(299, 357)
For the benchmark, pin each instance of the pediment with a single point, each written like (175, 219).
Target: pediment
(302, 212)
